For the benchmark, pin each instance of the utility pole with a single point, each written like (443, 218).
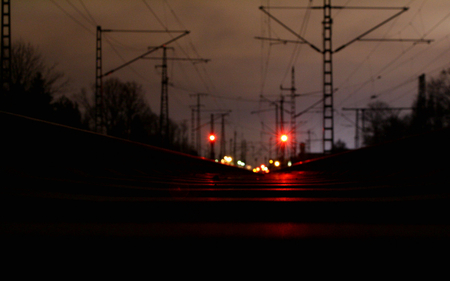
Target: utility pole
(293, 134)
(222, 136)
(327, 53)
(6, 47)
(222, 139)
(231, 145)
(282, 132)
(279, 125)
(328, 113)
(193, 110)
(212, 139)
(164, 106)
(293, 122)
(197, 128)
(277, 131)
(357, 130)
(99, 124)
(234, 146)
(99, 119)
(270, 147)
(243, 151)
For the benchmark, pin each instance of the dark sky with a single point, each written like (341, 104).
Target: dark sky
(242, 67)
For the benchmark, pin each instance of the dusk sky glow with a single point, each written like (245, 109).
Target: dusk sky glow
(241, 68)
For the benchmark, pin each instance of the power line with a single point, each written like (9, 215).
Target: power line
(99, 122)
(406, 51)
(414, 76)
(6, 67)
(392, 62)
(71, 17)
(89, 20)
(88, 13)
(181, 48)
(296, 53)
(123, 59)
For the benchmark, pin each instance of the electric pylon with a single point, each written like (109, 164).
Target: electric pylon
(6, 47)
(164, 106)
(99, 120)
(327, 53)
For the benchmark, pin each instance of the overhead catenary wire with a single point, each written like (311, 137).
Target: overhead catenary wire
(73, 18)
(189, 39)
(88, 13)
(393, 92)
(92, 21)
(200, 76)
(265, 63)
(87, 18)
(371, 52)
(298, 47)
(392, 62)
(124, 60)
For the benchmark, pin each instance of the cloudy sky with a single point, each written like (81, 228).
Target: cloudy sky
(242, 68)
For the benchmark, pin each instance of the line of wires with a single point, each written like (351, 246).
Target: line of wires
(73, 18)
(371, 52)
(88, 17)
(298, 47)
(201, 72)
(207, 82)
(390, 67)
(377, 76)
(265, 61)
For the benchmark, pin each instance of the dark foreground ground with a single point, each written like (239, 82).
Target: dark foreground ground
(69, 189)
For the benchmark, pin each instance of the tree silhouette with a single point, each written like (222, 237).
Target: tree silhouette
(33, 84)
(124, 111)
(127, 115)
(339, 146)
(431, 111)
(66, 112)
(384, 124)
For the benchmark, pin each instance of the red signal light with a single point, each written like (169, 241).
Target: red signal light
(212, 138)
(284, 138)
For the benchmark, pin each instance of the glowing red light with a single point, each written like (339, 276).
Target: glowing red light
(284, 138)
(212, 137)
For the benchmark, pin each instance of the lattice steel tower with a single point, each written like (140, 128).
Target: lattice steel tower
(99, 124)
(328, 128)
(6, 46)
(164, 110)
(327, 54)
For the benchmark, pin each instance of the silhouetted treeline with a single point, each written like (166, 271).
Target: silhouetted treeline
(430, 111)
(127, 115)
(37, 90)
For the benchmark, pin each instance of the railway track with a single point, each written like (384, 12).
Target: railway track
(86, 194)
